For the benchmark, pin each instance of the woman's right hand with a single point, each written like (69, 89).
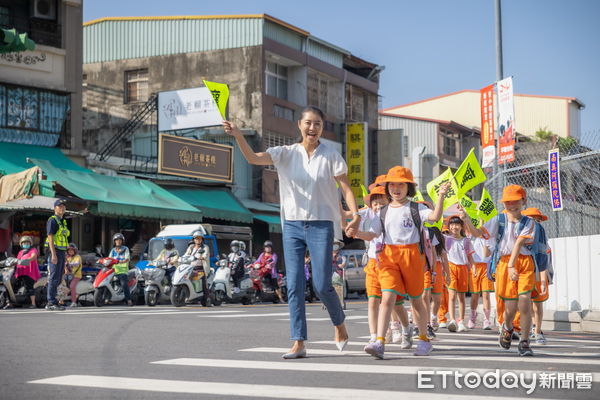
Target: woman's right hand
(231, 129)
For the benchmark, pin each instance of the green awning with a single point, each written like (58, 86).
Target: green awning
(215, 203)
(13, 158)
(121, 197)
(274, 221)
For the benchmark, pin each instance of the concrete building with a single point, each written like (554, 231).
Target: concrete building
(444, 144)
(561, 115)
(273, 70)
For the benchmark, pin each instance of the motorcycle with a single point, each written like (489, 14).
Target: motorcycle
(13, 290)
(84, 290)
(263, 290)
(187, 284)
(224, 290)
(108, 289)
(157, 288)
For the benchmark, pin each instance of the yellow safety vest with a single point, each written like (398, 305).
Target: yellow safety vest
(61, 237)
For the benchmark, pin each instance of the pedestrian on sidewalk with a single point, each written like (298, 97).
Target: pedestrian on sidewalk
(57, 241)
(308, 172)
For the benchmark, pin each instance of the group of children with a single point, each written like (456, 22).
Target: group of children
(411, 260)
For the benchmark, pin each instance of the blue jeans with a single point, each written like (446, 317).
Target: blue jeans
(123, 280)
(317, 236)
(55, 273)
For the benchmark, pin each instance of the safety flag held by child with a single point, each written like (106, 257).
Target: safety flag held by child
(486, 209)
(434, 186)
(220, 94)
(469, 174)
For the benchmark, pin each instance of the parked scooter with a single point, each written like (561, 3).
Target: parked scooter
(157, 287)
(12, 290)
(108, 289)
(187, 283)
(224, 290)
(84, 289)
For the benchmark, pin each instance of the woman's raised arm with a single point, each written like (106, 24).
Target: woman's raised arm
(261, 158)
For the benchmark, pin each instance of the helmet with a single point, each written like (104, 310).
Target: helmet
(72, 246)
(169, 244)
(118, 236)
(197, 234)
(242, 245)
(268, 243)
(25, 239)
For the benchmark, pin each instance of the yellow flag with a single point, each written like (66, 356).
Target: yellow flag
(220, 93)
(472, 213)
(434, 185)
(487, 208)
(418, 196)
(438, 224)
(364, 190)
(466, 202)
(469, 174)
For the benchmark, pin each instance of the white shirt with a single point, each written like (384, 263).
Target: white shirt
(399, 226)
(510, 235)
(458, 250)
(367, 216)
(307, 188)
(478, 245)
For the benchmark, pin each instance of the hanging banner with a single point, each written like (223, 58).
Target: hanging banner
(554, 177)
(486, 209)
(469, 174)
(220, 94)
(434, 186)
(487, 126)
(506, 121)
(356, 156)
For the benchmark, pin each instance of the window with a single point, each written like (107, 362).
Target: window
(276, 80)
(317, 91)
(4, 17)
(283, 112)
(137, 86)
(449, 146)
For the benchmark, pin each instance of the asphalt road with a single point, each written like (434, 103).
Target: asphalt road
(234, 351)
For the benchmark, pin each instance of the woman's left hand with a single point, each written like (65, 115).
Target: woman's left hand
(352, 227)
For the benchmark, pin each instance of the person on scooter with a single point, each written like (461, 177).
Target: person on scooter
(27, 268)
(269, 259)
(57, 241)
(201, 253)
(121, 253)
(237, 261)
(74, 268)
(170, 256)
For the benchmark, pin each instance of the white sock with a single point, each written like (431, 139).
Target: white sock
(373, 337)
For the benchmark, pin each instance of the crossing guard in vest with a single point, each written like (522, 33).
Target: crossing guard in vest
(57, 242)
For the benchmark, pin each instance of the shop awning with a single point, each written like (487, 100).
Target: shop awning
(121, 197)
(215, 203)
(274, 221)
(13, 158)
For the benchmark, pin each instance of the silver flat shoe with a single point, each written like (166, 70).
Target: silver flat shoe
(341, 345)
(294, 355)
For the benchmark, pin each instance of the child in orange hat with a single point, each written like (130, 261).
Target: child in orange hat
(402, 259)
(515, 270)
(480, 285)
(541, 293)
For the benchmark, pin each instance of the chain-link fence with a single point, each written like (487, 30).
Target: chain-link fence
(579, 179)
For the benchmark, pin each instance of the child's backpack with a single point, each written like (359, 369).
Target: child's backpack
(539, 251)
(425, 246)
(491, 269)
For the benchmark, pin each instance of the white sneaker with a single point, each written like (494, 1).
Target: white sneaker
(434, 323)
(388, 336)
(407, 338)
(443, 325)
(462, 327)
(396, 335)
(452, 326)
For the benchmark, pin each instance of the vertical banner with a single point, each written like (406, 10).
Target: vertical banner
(506, 121)
(487, 126)
(356, 156)
(554, 177)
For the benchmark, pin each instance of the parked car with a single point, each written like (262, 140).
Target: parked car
(355, 275)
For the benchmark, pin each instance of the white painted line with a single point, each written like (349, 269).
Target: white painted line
(494, 342)
(184, 312)
(248, 315)
(494, 334)
(329, 319)
(244, 390)
(492, 357)
(330, 367)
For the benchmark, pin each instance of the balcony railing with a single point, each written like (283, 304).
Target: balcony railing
(41, 31)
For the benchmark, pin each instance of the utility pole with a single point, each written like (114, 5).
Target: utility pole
(499, 77)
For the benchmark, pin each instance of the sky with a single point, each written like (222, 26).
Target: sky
(435, 47)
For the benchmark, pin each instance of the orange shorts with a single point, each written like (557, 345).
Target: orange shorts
(372, 281)
(481, 282)
(459, 278)
(536, 296)
(436, 286)
(511, 290)
(402, 269)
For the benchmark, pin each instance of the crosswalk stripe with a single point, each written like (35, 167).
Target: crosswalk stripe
(330, 367)
(353, 317)
(494, 336)
(493, 356)
(494, 341)
(248, 315)
(240, 389)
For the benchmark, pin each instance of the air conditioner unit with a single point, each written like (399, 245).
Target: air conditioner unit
(43, 9)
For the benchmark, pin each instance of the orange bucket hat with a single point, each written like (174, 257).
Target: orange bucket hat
(399, 174)
(376, 190)
(534, 212)
(513, 193)
(379, 181)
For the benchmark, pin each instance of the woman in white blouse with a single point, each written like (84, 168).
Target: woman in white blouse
(310, 214)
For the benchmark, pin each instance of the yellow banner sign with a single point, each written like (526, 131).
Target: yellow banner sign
(356, 138)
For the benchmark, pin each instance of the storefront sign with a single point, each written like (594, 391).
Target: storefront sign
(506, 121)
(187, 108)
(554, 177)
(487, 126)
(356, 156)
(195, 158)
